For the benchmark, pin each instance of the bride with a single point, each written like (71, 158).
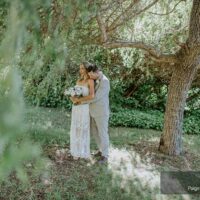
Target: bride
(80, 120)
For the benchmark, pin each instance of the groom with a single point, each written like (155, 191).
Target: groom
(99, 111)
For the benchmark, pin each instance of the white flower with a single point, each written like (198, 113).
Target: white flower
(68, 91)
(74, 91)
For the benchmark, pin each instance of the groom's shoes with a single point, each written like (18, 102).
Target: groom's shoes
(103, 160)
(98, 154)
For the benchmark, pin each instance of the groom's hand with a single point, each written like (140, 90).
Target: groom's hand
(77, 103)
(72, 99)
(77, 100)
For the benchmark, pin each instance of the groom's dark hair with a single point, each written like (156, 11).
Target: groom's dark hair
(87, 65)
(92, 67)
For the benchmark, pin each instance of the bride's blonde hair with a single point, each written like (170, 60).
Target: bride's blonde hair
(86, 65)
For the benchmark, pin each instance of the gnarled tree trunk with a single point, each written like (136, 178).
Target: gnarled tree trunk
(171, 140)
(183, 74)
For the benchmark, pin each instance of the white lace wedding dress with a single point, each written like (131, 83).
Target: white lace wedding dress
(80, 129)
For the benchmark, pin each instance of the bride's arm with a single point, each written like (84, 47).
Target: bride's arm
(91, 93)
(73, 99)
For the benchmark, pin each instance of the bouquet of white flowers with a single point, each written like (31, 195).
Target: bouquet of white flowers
(75, 91)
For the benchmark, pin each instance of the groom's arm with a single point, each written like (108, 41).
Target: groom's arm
(103, 90)
(91, 96)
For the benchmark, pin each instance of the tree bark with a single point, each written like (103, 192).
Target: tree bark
(182, 76)
(171, 139)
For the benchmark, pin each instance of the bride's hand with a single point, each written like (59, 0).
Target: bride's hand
(72, 99)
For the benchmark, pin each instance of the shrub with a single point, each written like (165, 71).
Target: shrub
(150, 119)
(138, 119)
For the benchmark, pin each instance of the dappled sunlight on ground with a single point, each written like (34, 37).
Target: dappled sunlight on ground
(154, 139)
(131, 170)
(129, 165)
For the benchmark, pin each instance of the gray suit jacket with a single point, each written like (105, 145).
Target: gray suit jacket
(99, 106)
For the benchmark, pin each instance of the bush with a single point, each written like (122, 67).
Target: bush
(191, 123)
(138, 119)
(152, 120)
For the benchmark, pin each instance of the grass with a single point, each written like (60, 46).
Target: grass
(133, 170)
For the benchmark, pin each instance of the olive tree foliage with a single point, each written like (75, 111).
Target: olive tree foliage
(16, 148)
(68, 33)
(50, 61)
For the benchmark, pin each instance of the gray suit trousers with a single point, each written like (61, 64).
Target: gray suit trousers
(99, 129)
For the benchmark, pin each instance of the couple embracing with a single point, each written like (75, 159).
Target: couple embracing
(90, 114)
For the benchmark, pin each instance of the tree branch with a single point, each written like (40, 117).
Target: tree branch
(121, 18)
(129, 15)
(100, 22)
(153, 53)
(150, 50)
(167, 13)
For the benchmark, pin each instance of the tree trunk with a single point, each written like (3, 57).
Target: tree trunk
(171, 139)
(183, 74)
